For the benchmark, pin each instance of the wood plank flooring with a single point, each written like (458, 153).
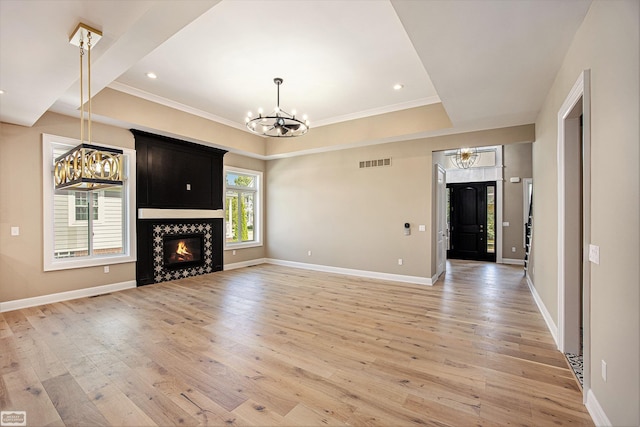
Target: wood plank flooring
(276, 346)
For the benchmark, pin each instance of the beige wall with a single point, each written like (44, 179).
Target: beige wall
(397, 125)
(607, 43)
(21, 257)
(517, 163)
(132, 112)
(353, 218)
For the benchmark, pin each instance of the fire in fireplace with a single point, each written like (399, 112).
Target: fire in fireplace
(182, 250)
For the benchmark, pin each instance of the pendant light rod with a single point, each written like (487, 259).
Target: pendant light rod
(278, 81)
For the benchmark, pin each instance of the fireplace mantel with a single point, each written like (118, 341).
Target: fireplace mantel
(149, 213)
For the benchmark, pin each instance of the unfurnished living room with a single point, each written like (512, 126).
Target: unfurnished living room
(317, 212)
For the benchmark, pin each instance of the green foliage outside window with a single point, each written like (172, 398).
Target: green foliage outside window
(241, 190)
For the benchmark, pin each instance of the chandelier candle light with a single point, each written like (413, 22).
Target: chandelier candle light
(87, 167)
(279, 123)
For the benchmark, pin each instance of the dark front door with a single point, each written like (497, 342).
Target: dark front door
(472, 221)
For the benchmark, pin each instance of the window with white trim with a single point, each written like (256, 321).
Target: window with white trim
(86, 228)
(243, 207)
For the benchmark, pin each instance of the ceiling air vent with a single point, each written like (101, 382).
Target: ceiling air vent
(375, 163)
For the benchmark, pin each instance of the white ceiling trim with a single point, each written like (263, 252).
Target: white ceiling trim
(120, 87)
(376, 111)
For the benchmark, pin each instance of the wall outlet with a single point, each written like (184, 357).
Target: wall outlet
(604, 371)
(106, 268)
(505, 223)
(234, 252)
(309, 253)
(513, 248)
(399, 261)
(594, 254)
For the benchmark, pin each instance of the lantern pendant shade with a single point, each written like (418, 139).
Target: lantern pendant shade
(88, 167)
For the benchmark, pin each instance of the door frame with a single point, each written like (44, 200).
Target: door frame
(567, 283)
(441, 220)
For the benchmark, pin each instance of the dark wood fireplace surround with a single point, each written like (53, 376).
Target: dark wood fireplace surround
(185, 180)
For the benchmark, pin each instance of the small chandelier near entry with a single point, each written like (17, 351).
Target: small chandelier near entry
(87, 167)
(279, 123)
(465, 157)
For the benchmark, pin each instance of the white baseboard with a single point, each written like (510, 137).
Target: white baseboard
(513, 261)
(543, 310)
(243, 264)
(65, 296)
(598, 415)
(351, 272)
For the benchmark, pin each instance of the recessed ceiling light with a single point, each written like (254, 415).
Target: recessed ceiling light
(398, 86)
(152, 75)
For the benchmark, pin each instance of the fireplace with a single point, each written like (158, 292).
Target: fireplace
(182, 250)
(171, 249)
(179, 203)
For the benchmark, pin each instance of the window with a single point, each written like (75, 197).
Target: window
(81, 206)
(78, 204)
(83, 229)
(491, 219)
(242, 207)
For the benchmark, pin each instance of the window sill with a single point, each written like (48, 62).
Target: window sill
(232, 246)
(71, 263)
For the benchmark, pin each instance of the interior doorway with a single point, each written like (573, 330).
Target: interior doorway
(472, 219)
(574, 219)
(442, 236)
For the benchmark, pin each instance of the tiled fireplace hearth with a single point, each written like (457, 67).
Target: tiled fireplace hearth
(182, 250)
(171, 249)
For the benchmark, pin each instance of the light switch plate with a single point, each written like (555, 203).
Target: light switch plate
(594, 254)
(15, 231)
(422, 227)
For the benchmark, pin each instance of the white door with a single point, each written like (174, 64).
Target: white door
(441, 220)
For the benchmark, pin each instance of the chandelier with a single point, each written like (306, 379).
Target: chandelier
(87, 167)
(279, 123)
(465, 157)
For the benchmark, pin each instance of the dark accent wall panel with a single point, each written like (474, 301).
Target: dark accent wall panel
(177, 174)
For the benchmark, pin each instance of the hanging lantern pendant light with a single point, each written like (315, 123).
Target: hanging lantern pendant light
(87, 167)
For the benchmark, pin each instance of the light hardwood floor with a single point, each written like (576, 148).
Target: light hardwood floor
(271, 345)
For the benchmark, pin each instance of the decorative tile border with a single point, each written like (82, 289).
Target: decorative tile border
(576, 363)
(162, 274)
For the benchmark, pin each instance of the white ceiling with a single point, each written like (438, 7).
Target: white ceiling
(491, 61)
